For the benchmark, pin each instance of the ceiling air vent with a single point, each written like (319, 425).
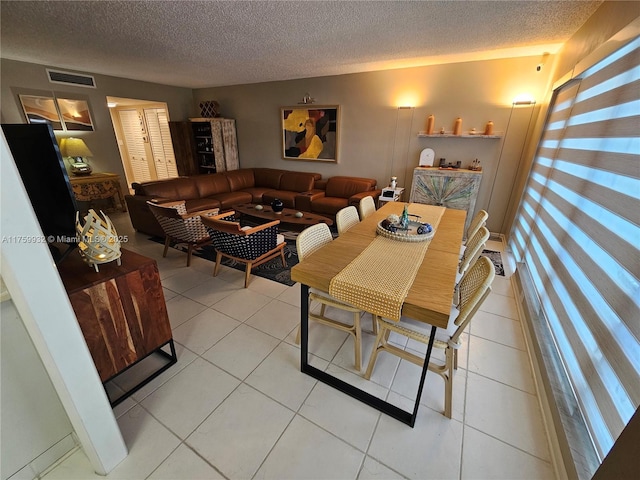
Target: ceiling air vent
(68, 78)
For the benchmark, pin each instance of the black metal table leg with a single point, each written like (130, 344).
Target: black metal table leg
(383, 406)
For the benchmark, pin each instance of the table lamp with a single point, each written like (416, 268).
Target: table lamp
(76, 150)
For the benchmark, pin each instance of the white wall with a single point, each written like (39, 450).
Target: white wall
(32, 417)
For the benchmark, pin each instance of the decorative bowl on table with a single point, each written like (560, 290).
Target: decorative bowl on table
(415, 231)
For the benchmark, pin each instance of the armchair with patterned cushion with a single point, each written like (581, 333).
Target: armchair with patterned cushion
(252, 246)
(180, 226)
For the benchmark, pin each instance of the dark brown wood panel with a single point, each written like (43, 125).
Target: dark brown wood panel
(184, 148)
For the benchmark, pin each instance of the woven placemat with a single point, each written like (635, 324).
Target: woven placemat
(379, 279)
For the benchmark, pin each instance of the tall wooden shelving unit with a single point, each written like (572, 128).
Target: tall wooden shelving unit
(205, 145)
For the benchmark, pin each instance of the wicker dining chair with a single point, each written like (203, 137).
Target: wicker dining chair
(308, 241)
(346, 218)
(252, 246)
(480, 220)
(180, 226)
(366, 207)
(475, 287)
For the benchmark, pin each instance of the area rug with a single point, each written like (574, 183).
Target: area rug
(272, 270)
(496, 259)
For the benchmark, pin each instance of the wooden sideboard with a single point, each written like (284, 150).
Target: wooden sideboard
(98, 186)
(121, 312)
(450, 188)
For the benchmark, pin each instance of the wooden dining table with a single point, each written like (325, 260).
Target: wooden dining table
(429, 298)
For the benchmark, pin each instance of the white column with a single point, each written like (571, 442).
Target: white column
(39, 295)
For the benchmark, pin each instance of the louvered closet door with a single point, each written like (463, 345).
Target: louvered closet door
(134, 129)
(160, 140)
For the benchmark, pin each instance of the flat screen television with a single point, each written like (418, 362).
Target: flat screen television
(36, 154)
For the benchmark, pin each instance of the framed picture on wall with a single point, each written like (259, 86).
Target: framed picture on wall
(310, 132)
(75, 114)
(39, 109)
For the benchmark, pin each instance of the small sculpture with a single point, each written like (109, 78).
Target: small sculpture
(97, 239)
(277, 205)
(404, 219)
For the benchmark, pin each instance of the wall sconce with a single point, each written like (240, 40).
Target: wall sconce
(307, 99)
(76, 151)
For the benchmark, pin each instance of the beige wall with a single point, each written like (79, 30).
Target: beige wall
(28, 78)
(377, 140)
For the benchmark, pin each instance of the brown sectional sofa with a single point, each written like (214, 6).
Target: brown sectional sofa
(299, 190)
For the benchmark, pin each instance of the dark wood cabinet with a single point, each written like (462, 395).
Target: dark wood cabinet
(121, 312)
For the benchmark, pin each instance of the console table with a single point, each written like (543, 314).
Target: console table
(121, 312)
(450, 188)
(98, 186)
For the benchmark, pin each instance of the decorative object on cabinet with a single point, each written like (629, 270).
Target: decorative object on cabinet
(209, 109)
(41, 110)
(122, 314)
(75, 114)
(310, 133)
(98, 240)
(307, 99)
(448, 188)
(99, 186)
(76, 151)
(488, 129)
(426, 157)
(394, 182)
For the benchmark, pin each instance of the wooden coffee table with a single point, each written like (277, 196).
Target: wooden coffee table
(288, 215)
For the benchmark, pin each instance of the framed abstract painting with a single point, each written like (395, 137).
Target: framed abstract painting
(41, 110)
(310, 132)
(75, 114)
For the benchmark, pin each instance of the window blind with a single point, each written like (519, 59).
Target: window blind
(578, 231)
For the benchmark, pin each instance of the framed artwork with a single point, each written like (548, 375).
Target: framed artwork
(41, 110)
(75, 114)
(310, 132)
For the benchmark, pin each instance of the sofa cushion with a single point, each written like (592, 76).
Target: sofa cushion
(239, 179)
(288, 198)
(344, 187)
(328, 205)
(267, 177)
(211, 184)
(296, 182)
(197, 204)
(171, 189)
(229, 199)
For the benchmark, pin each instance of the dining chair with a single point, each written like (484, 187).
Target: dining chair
(366, 207)
(308, 241)
(480, 220)
(475, 287)
(180, 226)
(252, 246)
(346, 218)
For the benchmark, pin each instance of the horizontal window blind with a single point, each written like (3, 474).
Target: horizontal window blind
(578, 231)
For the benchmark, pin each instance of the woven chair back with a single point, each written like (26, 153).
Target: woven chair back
(237, 243)
(312, 238)
(176, 225)
(475, 287)
(347, 218)
(474, 248)
(366, 207)
(478, 221)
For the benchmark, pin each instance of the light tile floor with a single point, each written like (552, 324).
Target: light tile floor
(236, 405)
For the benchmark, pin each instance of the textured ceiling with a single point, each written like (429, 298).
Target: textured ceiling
(213, 43)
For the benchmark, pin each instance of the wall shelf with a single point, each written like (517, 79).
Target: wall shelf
(451, 135)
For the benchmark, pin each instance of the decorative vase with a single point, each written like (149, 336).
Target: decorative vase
(404, 219)
(430, 121)
(394, 182)
(457, 126)
(277, 205)
(488, 129)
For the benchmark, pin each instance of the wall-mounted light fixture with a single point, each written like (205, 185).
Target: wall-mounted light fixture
(307, 99)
